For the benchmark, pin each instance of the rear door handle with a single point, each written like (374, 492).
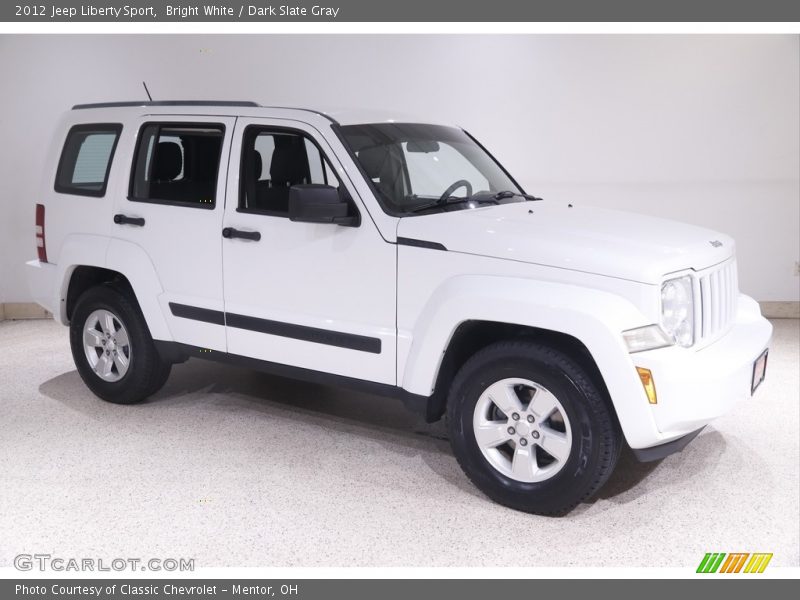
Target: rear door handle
(126, 220)
(230, 232)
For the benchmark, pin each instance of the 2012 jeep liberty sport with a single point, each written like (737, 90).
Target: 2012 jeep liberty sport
(396, 257)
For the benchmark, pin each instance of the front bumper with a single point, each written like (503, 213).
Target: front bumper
(694, 387)
(654, 453)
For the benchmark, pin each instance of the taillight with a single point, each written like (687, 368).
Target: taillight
(40, 247)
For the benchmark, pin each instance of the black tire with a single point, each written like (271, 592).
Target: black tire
(147, 371)
(596, 437)
(160, 378)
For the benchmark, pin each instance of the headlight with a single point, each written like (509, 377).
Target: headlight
(677, 310)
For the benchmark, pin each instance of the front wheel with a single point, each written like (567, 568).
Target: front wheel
(530, 428)
(112, 348)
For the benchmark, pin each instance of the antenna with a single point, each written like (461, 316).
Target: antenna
(147, 91)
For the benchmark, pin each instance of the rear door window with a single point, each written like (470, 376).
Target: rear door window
(177, 163)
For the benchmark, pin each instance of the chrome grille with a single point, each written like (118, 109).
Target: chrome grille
(719, 291)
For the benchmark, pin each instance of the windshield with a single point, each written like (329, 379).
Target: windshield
(418, 168)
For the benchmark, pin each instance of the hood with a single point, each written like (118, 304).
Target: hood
(593, 240)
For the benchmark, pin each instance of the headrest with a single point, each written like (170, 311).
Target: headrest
(168, 161)
(373, 160)
(289, 164)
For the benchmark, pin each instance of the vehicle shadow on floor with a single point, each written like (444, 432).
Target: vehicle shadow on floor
(227, 391)
(240, 393)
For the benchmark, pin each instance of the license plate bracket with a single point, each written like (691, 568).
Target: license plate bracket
(759, 371)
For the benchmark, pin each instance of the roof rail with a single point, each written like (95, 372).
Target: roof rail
(167, 103)
(311, 110)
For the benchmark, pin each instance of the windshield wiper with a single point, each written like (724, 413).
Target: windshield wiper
(450, 201)
(509, 194)
(478, 198)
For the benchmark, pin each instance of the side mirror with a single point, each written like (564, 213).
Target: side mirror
(317, 203)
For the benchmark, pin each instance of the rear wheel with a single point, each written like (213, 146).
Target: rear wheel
(112, 348)
(530, 428)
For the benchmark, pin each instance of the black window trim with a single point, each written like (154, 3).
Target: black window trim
(115, 128)
(185, 124)
(343, 191)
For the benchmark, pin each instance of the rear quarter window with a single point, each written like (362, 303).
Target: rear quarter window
(86, 159)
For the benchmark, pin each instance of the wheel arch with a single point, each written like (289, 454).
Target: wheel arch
(472, 336)
(83, 277)
(85, 261)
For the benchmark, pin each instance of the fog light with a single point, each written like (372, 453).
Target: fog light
(649, 385)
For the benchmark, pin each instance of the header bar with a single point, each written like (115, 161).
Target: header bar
(439, 11)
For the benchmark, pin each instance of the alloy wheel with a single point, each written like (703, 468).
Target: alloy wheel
(522, 430)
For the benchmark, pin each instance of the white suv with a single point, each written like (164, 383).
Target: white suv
(395, 257)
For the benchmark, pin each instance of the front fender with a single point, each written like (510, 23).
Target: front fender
(595, 318)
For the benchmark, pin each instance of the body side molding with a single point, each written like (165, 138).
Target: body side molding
(206, 315)
(305, 333)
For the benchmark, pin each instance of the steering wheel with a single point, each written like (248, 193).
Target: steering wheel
(449, 191)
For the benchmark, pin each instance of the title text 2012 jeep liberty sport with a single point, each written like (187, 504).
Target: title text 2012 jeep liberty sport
(398, 257)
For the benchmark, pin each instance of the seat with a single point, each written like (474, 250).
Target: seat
(257, 188)
(167, 166)
(203, 160)
(198, 160)
(288, 167)
(257, 165)
(168, 162)
(384, 167)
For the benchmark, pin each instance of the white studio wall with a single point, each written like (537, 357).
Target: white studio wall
(704, 129)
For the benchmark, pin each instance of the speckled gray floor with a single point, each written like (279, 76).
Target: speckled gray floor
(236, 468)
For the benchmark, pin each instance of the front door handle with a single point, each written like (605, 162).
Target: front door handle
(230, 232)
(126, 220)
